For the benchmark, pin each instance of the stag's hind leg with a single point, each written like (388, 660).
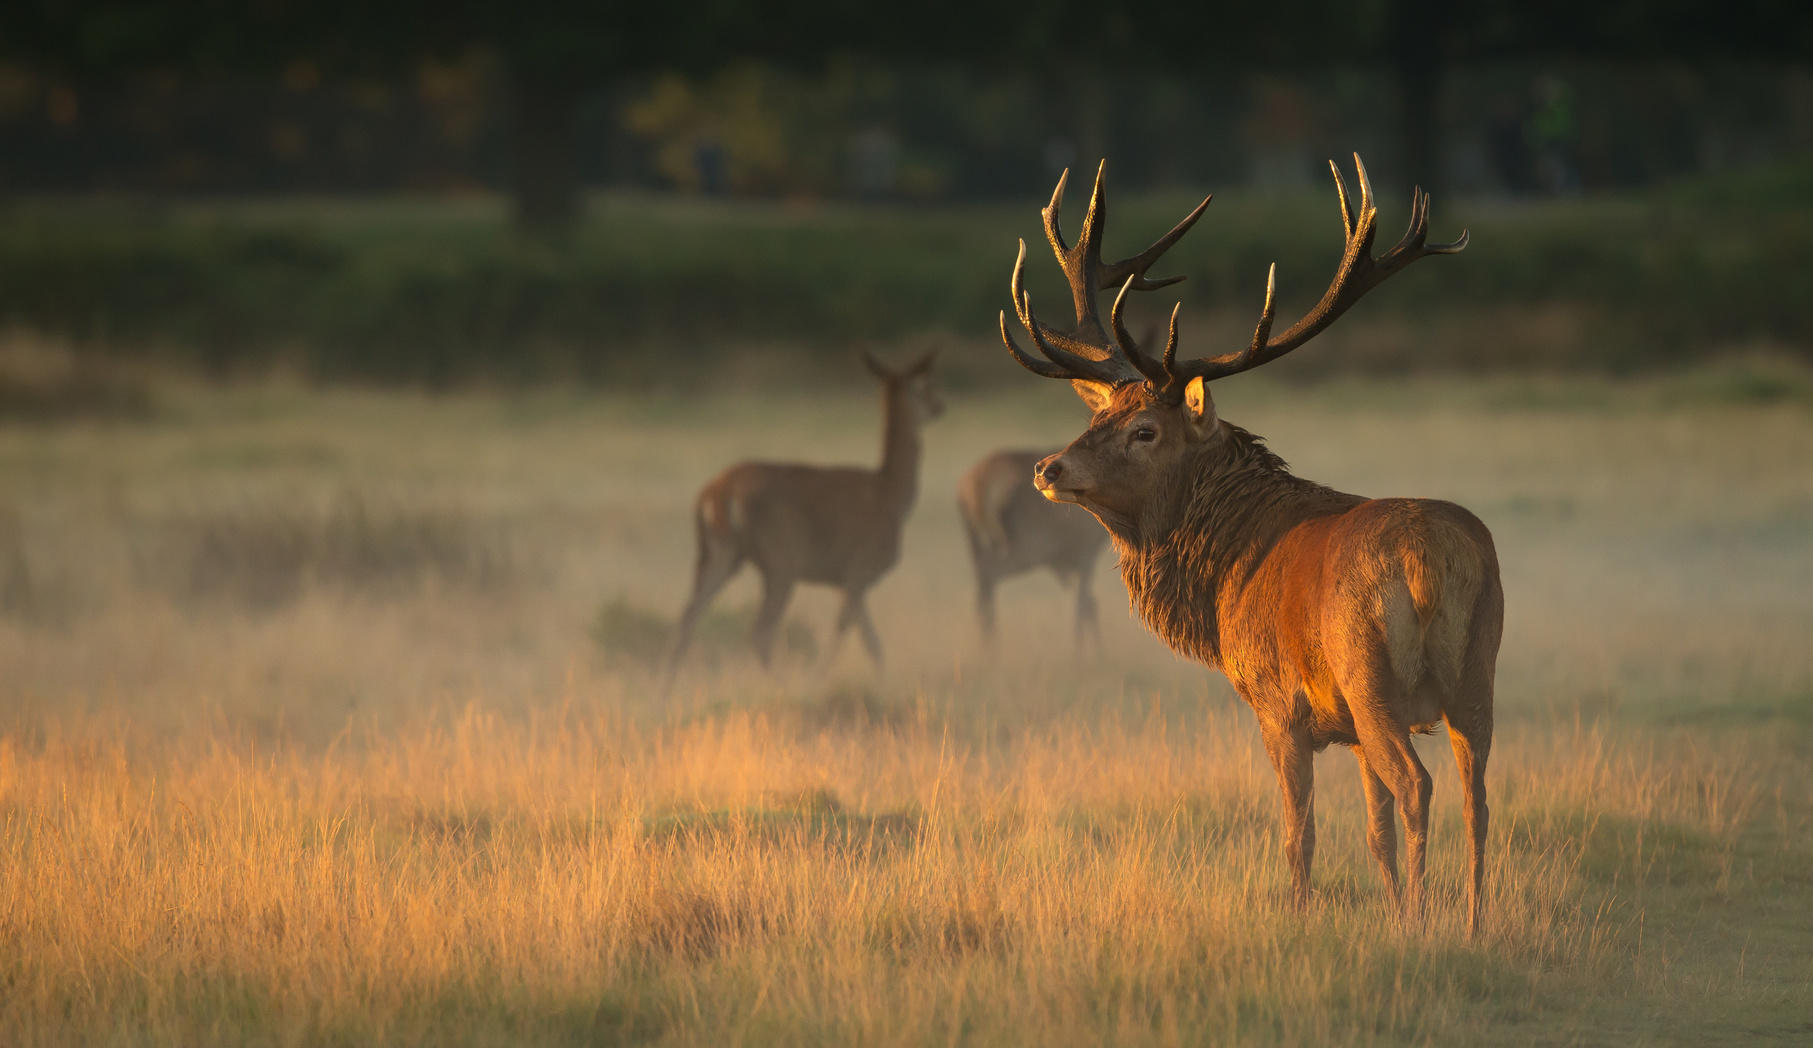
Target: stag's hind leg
(1387, 753)
(1471, 749)
(1392, 757)
(1381, 824)
(1469, 718)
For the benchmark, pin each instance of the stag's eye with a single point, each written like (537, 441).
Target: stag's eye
(1145, 434)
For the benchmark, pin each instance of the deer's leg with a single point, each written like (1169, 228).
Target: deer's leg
(1390, 756)
(718, 563)
(1293, 757)
(1471, 747)
(985, 604)
(856, 613)
(1381, 824)
(777, 590)
(1088, 627)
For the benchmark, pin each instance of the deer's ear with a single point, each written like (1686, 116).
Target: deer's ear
(875, 367)
(1199, 408)
(1095, 394)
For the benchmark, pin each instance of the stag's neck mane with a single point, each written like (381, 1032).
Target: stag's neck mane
(1207, 530)
(899, 472)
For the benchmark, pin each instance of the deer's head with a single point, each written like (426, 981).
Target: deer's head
(910, 387)
(1152, 413)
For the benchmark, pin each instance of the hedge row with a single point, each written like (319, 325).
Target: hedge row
(418, 292)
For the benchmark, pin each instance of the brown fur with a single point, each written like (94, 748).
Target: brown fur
(1013, 530)
(1339, 619)
(828, 525)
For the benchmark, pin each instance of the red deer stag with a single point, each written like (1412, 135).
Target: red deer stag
(835, 526)
(1338, 618)
(1013, 529)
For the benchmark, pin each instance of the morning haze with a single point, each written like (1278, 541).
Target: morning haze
(363, 385)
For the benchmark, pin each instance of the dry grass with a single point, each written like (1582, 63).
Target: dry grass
(438, 810)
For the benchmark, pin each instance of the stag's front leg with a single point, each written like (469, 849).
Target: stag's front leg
(1293, 756)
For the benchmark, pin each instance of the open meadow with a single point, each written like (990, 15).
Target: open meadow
(333, 718)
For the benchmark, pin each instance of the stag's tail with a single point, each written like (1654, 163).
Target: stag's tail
(1443, 575)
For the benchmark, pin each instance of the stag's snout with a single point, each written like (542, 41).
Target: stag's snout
(1057, 480)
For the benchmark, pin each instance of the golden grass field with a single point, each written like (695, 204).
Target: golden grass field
(327, 718)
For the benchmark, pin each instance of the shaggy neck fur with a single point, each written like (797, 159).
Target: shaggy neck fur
(1209, 527)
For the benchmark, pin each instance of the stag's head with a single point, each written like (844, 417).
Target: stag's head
(1154, 412)
(910, 387)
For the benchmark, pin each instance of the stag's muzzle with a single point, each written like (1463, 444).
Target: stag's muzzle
(1053, 480)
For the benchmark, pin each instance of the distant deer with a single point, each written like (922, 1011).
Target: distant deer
(1338, 618)
(835, 526)
(1013, 529)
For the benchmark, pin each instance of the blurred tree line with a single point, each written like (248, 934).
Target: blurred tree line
(833, 98)
(837, 97)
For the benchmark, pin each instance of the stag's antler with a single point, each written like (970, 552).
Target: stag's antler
(1087, 353)
(1124, 361)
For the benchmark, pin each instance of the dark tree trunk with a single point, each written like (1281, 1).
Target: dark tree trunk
(544, 175)
(1415, 52)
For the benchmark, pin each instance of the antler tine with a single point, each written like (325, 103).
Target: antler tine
(1032, 364)
(1043, 336)
(1414, 245)
(1089, 353)
(1116, 274)
(1359, 273)
(1170, 360)
(1153, 370)
(1211, 368)
(1052, 232)
(1104, 371)
(1089, 241)
(1111, 370)
(1341, 192)
(1264, 330)
(1082, 261)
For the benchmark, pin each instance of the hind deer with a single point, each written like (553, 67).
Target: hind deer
(796, 523)
(1013, 530)
(1338, 618)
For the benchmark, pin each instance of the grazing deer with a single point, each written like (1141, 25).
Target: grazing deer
(835, 526)
(1338, 618)
(1013, 529)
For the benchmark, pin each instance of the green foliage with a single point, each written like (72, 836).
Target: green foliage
(430, 294)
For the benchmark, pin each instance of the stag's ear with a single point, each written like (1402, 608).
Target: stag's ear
(924, 367)
(875, 367)
(1199, 408)
(1095, 394)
